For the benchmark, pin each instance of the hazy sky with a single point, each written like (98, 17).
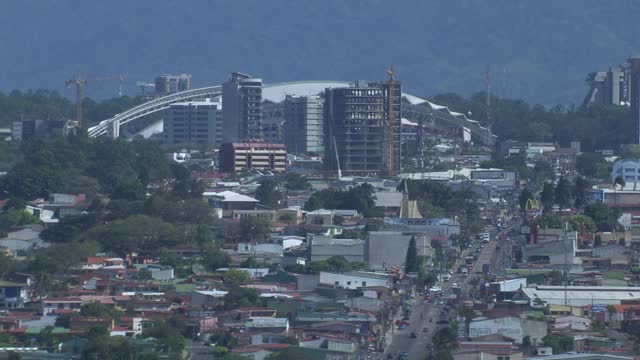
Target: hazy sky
(539, 50)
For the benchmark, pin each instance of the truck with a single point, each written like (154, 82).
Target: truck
(469, 260)
(486, 268)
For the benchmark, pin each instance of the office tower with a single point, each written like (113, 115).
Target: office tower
(357, 128)
(303, 126)
(193, 122)
(242, 111)
(168, 84)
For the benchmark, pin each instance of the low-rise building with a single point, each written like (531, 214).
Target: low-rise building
(238, 157)
(354, 279)
(513, 327)
(578, 295)
(322, 247)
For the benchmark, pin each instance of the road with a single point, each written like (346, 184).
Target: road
(496, 253)
(420, 315)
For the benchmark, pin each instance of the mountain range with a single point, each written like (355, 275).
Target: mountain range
(540, 51)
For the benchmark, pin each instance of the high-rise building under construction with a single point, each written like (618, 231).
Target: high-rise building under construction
(358, 135)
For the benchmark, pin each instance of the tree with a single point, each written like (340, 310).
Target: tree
(580, 186)
(241, 297)
(547, 197)
(619, 180)
(14, 217)
(411, 260)
(445, 339)
(597, 241)
(360, 198)
(581, 222)
(144, 274)
(268, 194)
(562, 193)
(254, 228)
(295, 181)
(555, 278)
(64, 320)
(559, 343)
(605, 218)
(214, 258)
(524, 197)
(169, 334)
(440, 355)
(339, 264)
(592, 165)
(97, 309)
(317, 266)
(135, 233)
(234, 278)
(549, 221)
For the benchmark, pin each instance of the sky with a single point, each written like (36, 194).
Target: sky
(540, 51)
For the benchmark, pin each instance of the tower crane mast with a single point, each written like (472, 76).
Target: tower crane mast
(79, 82)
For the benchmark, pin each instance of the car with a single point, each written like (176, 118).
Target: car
(424, 330)
(403, 322)
(413, 335)
(402, 327)
(442, 322)
(454, 285)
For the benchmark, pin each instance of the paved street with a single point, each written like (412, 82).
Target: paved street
(421, 313)
(496, 253)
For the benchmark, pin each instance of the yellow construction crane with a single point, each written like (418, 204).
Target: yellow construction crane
(79, 83)
(391, 167)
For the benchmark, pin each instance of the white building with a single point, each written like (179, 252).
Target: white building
(354, 279)
(253, 272)
(512, 327)
(193, 122)
(579, 295)
(629, 169)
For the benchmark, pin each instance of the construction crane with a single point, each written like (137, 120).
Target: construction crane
(391, 166)
(79, 83)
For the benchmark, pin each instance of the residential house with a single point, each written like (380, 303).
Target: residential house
(23, 239)
(320, 217)
(14, 295)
